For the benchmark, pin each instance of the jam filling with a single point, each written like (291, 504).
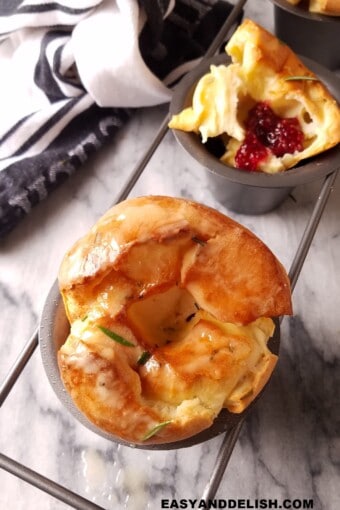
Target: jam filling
(267, 133)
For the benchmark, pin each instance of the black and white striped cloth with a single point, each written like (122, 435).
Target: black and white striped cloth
(71, 73)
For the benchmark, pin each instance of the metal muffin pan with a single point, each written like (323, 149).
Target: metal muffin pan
(316, 36)
(251, 192)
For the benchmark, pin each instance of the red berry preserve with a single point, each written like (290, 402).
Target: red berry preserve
(267, 133)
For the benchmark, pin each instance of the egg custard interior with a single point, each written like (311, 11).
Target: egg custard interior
(267, 108)
(168, 303)
(186, 364)
(192, 348)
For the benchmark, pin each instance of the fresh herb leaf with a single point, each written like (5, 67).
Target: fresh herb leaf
(143, 358)
(199, 241)
(191, 316)
(155, 430)
(115, 337)
(297, 78)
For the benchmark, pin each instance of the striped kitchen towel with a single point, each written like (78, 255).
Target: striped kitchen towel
(71, 73)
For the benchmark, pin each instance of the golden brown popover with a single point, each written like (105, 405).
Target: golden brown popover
(269, 109)
(170, 305)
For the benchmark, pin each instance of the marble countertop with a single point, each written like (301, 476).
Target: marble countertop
(289, 446)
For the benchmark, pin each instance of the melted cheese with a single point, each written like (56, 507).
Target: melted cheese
(209, 362)
(214, 105)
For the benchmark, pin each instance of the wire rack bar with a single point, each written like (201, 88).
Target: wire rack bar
(215, 45)
(220, 37)
(18, 367)
(137, 172)
(222, 461)
(311, 227)
(41, 482)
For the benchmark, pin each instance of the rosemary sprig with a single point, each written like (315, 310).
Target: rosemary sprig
(143, 358)
(155, 430)
(297, 78)
(198, 241)
(115, 337)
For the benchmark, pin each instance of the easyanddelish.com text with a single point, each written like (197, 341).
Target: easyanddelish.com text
(237, 504)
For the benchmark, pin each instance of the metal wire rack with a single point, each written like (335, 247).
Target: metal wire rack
(62, 493)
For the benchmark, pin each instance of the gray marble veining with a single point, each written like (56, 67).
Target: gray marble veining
(289, 447)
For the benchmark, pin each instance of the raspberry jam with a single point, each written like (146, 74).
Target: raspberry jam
(267, 133)
(251, 152)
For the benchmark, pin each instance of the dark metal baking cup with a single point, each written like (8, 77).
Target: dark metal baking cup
(239, 190)
(316, 36)
(53, 331)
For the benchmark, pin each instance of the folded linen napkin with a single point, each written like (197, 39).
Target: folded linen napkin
(71, 73)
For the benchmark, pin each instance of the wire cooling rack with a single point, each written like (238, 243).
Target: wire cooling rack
(62, 493)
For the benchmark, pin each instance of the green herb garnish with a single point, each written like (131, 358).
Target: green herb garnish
(198, 241)
(115, 337)
(191, 316)
(155, 430)
(84, 318)
(143, 358)
(297, 78)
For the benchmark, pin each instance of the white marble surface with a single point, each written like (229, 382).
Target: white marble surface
(289, 446)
